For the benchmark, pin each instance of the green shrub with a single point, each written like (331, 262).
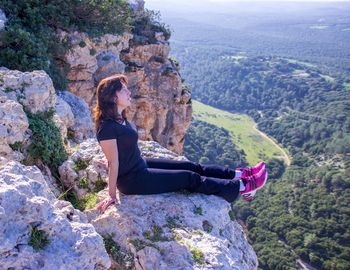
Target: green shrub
(100, 184)
(31, 24)
(197, 255)
(83, 183)
(87, 202)
(124, 258)
(46, 142)
(17, 146)
(80, 164)
(38, 239)
(146, 23)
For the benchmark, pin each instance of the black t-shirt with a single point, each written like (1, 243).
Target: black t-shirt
(129, 154)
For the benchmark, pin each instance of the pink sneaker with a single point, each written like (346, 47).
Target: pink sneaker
(249, 171)
(253, 183)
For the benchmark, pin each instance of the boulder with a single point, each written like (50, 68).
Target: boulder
(37, 231)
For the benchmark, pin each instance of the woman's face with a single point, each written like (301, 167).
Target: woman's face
(124, 97)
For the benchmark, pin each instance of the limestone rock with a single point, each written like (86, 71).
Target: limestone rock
(86, 61)
(64, 117)
(85, 170)
(13, 127)
(82, 126)
(26, 203)
(161, 108)
(34, 90)
(84, 164)
(161, 231)
(176, 231)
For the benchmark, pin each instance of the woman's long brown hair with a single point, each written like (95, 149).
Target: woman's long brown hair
(106, 106)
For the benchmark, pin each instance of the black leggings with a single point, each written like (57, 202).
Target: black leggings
(166, 175)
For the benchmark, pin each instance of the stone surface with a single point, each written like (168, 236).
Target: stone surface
(13, 128)
(34, 90)
(26, 202)
(64, 117)
(164, 229)
(82, 126)
(87, 64)
(161, 104)
(93, 168)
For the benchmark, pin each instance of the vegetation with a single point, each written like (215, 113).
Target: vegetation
(38, 239)
(46, 142)
(88, 201)
(302, 213)
(208, 144)
(28, 23)
(155, 235)
(242, 130)
(124, 258)
(197, 255)
(146, 23)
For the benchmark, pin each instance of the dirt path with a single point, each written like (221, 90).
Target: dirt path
(286, 157)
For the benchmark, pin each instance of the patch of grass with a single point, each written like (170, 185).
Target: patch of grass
(83, 183)
(80, 164)
(173, 222)
(17, 146)
(243, 132)
(38, 239)
(100, 184)
(197, 255)
(124, 258)
(198, 210)
(87, 202)
(8, 90)
(140, 244)
(155, 235)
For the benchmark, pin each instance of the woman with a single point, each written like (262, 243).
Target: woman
(133, 174)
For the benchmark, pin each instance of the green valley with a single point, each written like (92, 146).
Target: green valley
(256, 145)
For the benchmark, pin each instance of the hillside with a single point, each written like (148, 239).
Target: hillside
(302, 214)
(255, 145)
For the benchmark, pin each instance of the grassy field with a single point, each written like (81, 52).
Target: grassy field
(254, 143)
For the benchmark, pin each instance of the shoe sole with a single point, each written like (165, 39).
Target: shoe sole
(249, 196)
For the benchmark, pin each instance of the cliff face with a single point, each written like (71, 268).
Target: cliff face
(50, 223)
(175, 230)
(161, 106)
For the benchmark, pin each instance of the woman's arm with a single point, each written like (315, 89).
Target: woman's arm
(110, 149)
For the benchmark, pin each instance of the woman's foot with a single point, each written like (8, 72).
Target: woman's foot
(249, 171)
(252, 184)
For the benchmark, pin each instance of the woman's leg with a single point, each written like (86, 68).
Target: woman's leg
(155, 181)
(204, 170)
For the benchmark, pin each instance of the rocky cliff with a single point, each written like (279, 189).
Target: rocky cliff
(52, 171)
(163, 231)
(161, 106)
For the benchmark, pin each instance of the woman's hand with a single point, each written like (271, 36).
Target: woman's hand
(103, 205)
